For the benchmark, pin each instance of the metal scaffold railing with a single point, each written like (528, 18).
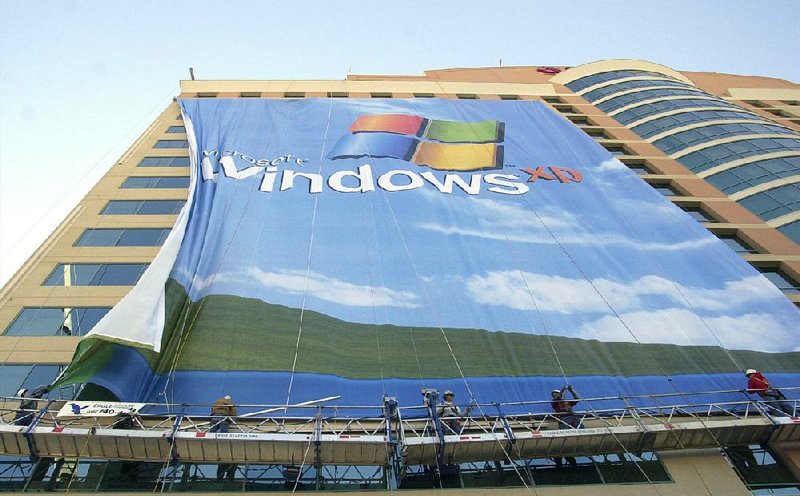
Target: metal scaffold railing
(394, 437)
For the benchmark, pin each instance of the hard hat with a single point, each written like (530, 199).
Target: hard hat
(227, 396)
(749, 371)
(448, 392)
(22, 392)
(556, 391)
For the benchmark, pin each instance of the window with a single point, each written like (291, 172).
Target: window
(780, 279)
(619, 87)
(565, 109)
(719, 154)
(761, 470)
(423, 95)
(778, 113)
(206, 94)
(579, 120)
(552, 99)
(171, 144)
(55, 321)
(164, 162)
(774, 203)
(735, 243)
(754, 173)
(250, 94)
(756, 103)
(791, 231)
(466, 96)
(685, 139)
(158, 182)
(624, 100)
(698, 214)
(142, 207)
(617, 150)
(294, 94)
(380, 95)
(654, 108)
(27, 376)
(586, 81)
(639, 169)
(338, 94)
(666, 123)
(95, 274)
(596, 134)
(665, 189)
(123, 237)
(509, 97)
(176, 129)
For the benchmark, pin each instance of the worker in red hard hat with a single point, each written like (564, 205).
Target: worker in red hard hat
(758, 384)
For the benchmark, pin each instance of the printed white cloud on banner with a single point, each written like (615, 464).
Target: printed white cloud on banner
(502, 221)
(759, 332)
(529, 291)
(331, 289)
(612, 164)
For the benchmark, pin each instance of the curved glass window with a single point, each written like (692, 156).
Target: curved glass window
(709, 157)
(773, 203)
(649, 109)
(616, 88)
(624, 100)
(685, 139)
(662, 124)
(749, 175)
(791, 231)
(602, 77)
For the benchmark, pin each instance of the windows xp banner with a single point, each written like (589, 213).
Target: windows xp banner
(362, 248)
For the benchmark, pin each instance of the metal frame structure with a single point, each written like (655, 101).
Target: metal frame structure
(336, 447)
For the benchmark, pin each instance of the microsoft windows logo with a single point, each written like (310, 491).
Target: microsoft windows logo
(438, 144)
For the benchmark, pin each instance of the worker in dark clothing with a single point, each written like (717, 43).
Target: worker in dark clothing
(221, 412)
(128, 470)
(758, 384)
(565, 416)
(28, 404)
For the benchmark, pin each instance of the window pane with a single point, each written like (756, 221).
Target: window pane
(27, 376)
(176, 129)
(142, 237)
(171, 144)
(164, 162)
(100, 237)
(55, 321)
(120, 207)
(96, 274)
(156, 182)
(160, 207)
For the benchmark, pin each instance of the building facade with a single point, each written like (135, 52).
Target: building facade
(724, 148)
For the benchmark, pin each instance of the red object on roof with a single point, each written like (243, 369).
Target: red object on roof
(549, 70)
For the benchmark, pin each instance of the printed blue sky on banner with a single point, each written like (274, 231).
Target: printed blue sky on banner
(574, 258)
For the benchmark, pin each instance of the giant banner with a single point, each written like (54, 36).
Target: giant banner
(368, 247)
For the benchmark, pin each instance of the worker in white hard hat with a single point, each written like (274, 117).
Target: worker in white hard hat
(758, 384)
(449, 412)
(221, 412)
(28, 403)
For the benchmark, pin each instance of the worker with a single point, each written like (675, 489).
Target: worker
(221, 412)
(28, 404)
(565, 416)
(758, 384)
(449, 412)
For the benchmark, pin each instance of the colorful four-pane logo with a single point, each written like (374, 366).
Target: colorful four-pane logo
(438, 144)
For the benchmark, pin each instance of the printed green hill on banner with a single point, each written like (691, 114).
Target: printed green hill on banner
(235, 333)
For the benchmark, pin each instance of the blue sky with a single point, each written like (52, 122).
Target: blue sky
(79, 80)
